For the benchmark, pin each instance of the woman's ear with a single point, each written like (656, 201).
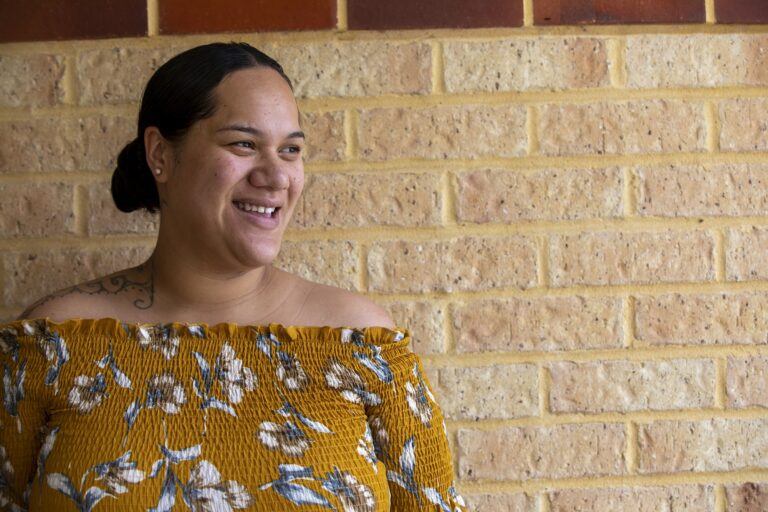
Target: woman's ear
(158, 151)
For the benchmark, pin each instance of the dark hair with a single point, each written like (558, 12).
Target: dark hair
(178, 94)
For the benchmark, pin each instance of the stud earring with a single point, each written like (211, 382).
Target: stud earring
(158, 171)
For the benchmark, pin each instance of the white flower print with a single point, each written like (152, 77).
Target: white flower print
(205, 492)
(165, 392)
(87, 393)
(353, 495)
(366, 448)
(349, 383)
(290, 372)
(118, 474)
(6, 477)
(235, 379)
(288, 438)
(380, 437)
(160, 338)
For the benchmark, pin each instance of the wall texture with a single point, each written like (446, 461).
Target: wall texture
(572, 220)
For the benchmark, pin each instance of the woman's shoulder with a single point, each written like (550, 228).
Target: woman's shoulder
(105, 296)
(329, 305)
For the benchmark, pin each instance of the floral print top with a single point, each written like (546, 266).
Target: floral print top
(98, 414)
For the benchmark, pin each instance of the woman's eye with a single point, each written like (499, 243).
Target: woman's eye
(244, 144)
(292, 149)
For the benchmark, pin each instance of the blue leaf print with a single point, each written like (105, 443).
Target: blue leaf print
(13, 391)
(263, 344)
(407, 466)
(205, 369)
(301, 495)
(156, 467)
(121, 379)
(290, 472)
(287, 410)
(45, 451)
(104, 361)
(214, 403)
(435, 498)
(176, 456)
(64, 485)
(168, 494)
(131, 413)
(9, 342)
(378, 365)
(92, 497)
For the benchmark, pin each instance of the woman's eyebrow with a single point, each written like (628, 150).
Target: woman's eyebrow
(256, 132)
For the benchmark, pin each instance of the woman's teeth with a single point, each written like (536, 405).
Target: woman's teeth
(253, 208)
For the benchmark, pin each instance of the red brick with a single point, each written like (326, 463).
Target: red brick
(741, 11)
(404, 14)
(583, 12)
(204, 16)
(43, 20)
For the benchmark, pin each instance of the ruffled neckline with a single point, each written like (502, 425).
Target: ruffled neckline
(106, 326)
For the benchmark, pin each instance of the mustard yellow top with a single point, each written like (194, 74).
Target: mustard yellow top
(102, 415)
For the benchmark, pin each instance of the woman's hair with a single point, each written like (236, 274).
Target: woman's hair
(178, 94)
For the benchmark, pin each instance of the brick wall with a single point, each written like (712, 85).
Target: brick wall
(572, 220)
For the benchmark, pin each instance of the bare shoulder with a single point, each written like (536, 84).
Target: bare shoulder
(328, 305)
(101, 297)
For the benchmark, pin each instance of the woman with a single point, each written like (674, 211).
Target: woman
(187, 388)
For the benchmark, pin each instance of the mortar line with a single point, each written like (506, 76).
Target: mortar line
(721, 502)
(630, 192)
(69, 81)
(350, 134)
(528, 13)
(80, 210)
(545, 386)
(720, 256)
(531, 125)
(448, 210)
(617, 68)
(628, 317)
(710, 15)
(153, 18)
(342, 15)
(712, 120)
(544, 504)
(542, 261)
(362, 272)
(721, 385)
(449, 341)
(438, 68)
(632, 449)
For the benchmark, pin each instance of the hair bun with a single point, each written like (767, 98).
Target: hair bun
(133, 186)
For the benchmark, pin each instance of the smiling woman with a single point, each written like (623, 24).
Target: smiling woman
(205, 375)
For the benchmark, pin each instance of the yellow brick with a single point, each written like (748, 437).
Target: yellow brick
(469, 263)
(743, 125)
(60, 144)
(607, 258)
(747, 381)
(31, 80)
(504, 196)
(499, 502)
(628, 386)
(545, 324)
(692, 190)
(36, 210)
(523, 453)
(635, 499)
(105, 219)
(439, 133)
(747, 497)
(696, 60)
(325, 136)
(520, 64)
(425, 321)
(745, 253)
(329, 262)
(336, 200)
(641, 126)
(710, 445)
(714, 319)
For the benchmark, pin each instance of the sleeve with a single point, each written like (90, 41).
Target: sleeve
(22, 417)
(408, 431)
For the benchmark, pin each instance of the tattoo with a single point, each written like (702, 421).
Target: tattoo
(140, 279)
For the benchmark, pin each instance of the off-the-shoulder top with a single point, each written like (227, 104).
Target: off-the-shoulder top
(103, 415)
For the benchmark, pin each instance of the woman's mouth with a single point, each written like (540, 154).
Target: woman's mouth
(268, 211)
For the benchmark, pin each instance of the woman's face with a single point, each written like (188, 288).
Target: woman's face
(236, 176)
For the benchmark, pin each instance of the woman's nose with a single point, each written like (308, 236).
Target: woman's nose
(271, 172)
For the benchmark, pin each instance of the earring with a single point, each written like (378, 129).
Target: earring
(158, 171)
